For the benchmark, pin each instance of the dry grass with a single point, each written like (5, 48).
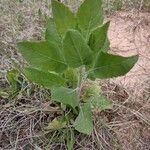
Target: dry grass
(113, 5)
(23, 118)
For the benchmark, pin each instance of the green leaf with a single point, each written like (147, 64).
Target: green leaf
(65, 96)
(83, 122)
(51, 33)
(63, 17)
(92, 90)
(70, 139)
(4, 94)
(56, 124)
(100, 102)
(71, 76)
(43, 55)
(90, 15)
(46, 79)
(108, 65)
(106, 46)
(98, 38)
(12, 77)
(91, 76)
(76, 51)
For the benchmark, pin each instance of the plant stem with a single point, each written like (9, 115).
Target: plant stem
(81, 79)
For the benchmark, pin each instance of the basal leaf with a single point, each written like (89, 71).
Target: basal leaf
(46, 79)
(65, 96)
(98, 38)
(63, 17)
(43, 55)
(90, 15)
(83, 122)
(108, 65)
(76, 51)
(51, 33)
(100, 102)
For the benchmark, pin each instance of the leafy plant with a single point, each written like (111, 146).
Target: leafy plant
(75, 48)
(14, 80)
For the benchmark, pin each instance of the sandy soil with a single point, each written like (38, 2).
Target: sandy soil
(129, 35)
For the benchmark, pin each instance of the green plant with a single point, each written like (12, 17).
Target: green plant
(75, 49)
(14, 79)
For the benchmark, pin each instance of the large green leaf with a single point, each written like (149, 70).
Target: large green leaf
(65, 96)
(98, 38)
(46, 79)
(51, 33)
(83, 122)
(90, 15)
(43, 55)
(100, 102)
(108, 65)
(63, 17)
(106, 46)
(76, 51)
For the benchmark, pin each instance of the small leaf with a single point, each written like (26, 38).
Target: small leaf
(90, 15)
(76, 51)
(70, 139)
(63, 17)
(56, 124)
(92, 90)
(46, 79)
(4, 94)
(108, 65)
(65, 96)
(51, 33)
(98, 38)
(71, 76)
(100, 102)
(12, 77)
(83, 122)
(43, 55)
(40, 13)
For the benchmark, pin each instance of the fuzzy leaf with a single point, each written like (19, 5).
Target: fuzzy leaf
(98, 38)
(108, 65)
(90, 15)
(65, 96)
(51, 33)
(43, 55)
(83, 122)
(56, 124)
(106, 46)
(63, 17)
(76, 51)
(100, 102)
(46, 79)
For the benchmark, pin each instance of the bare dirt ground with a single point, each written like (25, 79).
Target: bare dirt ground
(129, 35)
(126, 127)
